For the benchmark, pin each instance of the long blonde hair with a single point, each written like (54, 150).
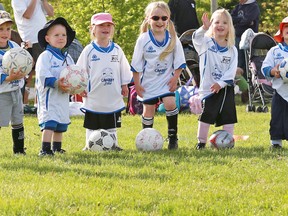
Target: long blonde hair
(231, 31)
(145, 24)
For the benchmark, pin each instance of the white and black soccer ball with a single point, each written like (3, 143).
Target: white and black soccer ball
(221, 139)
(17, 58)
(101, 140)
(283, 68)
(149, 139)
(76, 77)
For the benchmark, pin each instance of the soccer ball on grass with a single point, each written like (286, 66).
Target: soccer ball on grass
(149, 139)
(101, 140)
(221, 139)
(75, 77)
(17, 58)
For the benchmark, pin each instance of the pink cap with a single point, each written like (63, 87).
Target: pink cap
(278, 36)
(100, 18)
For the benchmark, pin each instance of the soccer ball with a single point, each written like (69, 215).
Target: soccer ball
(75, 77)
(283, 68)
(101, 140)
(221, 139)
(149, 139)
(17, 58)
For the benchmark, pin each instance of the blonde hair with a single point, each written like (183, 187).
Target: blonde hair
(145, 24)
(93, 37)
(231, 31)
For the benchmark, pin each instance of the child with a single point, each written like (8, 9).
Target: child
(270, 69)
(10, 95)
(109, 73)
(159, 59)
(214, 42)
(52, 95)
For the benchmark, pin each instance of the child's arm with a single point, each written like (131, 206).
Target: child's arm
(125, 90)
(275, 71)
(138, 87)
(14, 76)
(174, 80)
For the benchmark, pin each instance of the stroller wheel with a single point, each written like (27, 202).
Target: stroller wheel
(259, 109)
(265, 109)
(250, 108)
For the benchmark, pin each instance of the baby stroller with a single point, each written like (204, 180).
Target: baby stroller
(260, 90)
(190, 74)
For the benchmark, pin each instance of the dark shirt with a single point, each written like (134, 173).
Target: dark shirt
(183, 14)
(245, 16)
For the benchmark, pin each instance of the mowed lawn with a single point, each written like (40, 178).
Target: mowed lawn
(247, 180)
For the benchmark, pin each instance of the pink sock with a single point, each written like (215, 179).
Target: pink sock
(202, 134)
(229, 128)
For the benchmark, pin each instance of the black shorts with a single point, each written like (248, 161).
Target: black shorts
(157, 99)
(220, 109)
(95, 121)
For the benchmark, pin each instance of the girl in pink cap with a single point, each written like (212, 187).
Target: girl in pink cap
(109, 73)
(270, 68)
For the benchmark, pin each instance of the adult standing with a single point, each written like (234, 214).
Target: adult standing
(30, 17)
(245, 15)
(183, 15)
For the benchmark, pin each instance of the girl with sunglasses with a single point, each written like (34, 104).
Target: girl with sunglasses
(157, 62)
(215, 44)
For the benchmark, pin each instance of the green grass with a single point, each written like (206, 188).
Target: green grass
(246, 180)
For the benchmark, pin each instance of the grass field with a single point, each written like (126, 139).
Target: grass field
(247, 180)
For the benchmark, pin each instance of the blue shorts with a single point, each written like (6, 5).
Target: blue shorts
(54, 126)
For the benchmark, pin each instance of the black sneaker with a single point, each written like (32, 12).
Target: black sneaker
(20, 152)
(60, 151)
(200, 146)
(173, 142)
(46, 153)
(116, 148)
(276, 146)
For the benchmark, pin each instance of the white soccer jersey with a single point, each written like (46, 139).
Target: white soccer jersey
(4, 85)
(216, 65)
(274, 56)
(53, 104)
(155, 73)
(108, 69)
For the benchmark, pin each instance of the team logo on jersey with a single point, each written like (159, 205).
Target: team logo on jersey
(226, 60)
(161, 67)
(150, 49)
(279, 56)
(217, 73)
(54, 65)
(107, 76)
(95, 58)
(114, 58)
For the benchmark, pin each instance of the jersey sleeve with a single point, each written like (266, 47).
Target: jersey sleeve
(125, 71)
(179, 57)
(198, 39)
(137, 64)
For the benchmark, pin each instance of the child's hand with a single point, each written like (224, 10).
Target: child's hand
(275, 71)
(215, 88)
(18, 75)
(83, 94)
(173, 84)
(139, 89)
(62, 85)
(205, 20)
(125, 90)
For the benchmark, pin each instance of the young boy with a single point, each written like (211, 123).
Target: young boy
(52, 94)
(10, 95)
(270, 69)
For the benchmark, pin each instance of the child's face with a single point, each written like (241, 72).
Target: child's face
(158, 20)
(57, 36)
(285, 33)
(103, 31)
(220, 26)
(5, 33)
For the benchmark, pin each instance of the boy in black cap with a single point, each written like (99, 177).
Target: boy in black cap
(52, 94)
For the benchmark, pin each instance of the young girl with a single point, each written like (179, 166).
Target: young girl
(52, 95)
(109, 73)
(270, 68)
(214, 42)
(11, 107)
(159, 59)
